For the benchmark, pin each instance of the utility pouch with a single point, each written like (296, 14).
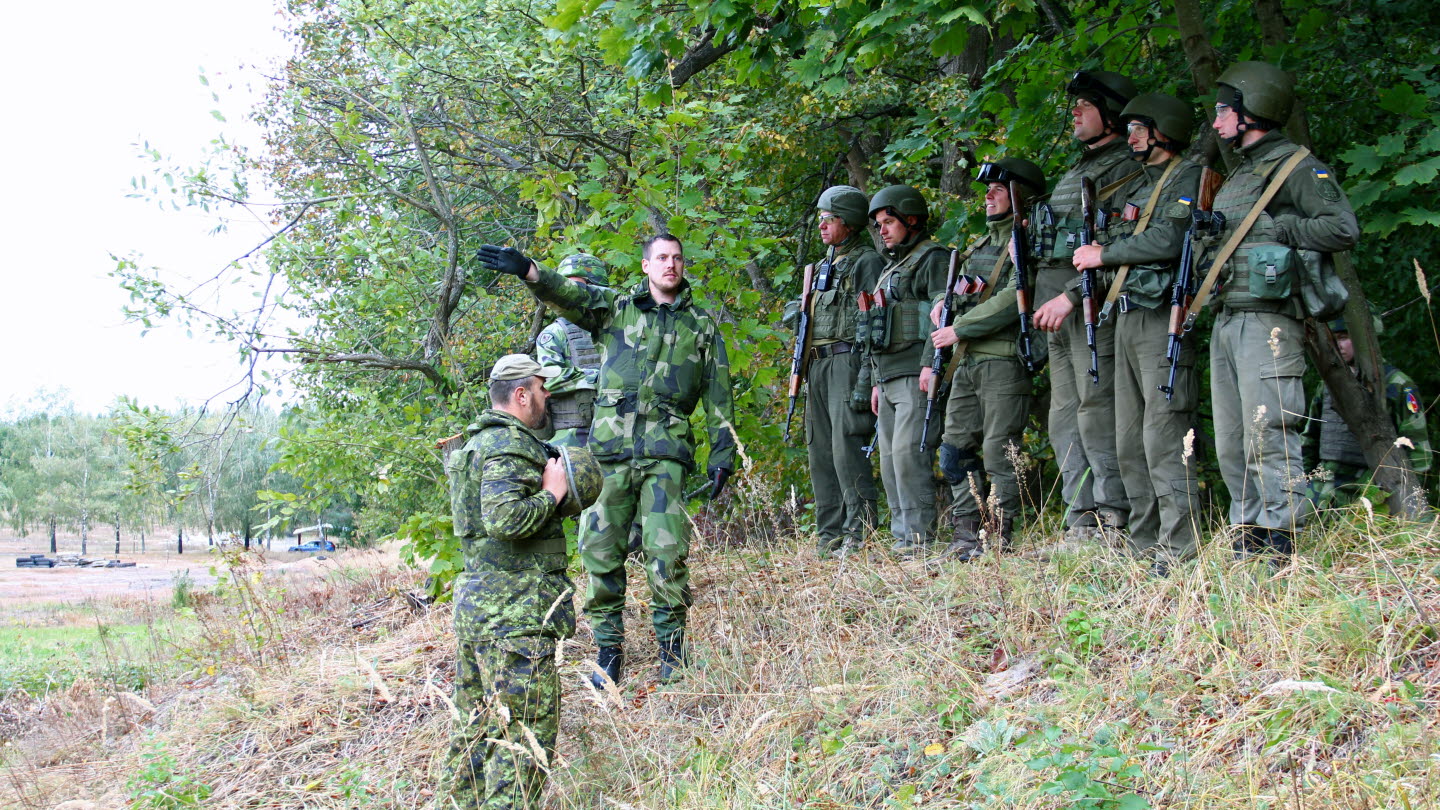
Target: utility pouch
(1273, 268)
(880, 324)
(1322, 293)
(1147, 286)
(903, 324)
(457, 469)
(828, 321)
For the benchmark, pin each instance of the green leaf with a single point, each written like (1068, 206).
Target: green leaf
(1362, 160)
(1402, 99)
(1422, 172)
(1132, 801)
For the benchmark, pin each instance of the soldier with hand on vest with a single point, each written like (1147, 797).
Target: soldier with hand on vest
(1257, 354)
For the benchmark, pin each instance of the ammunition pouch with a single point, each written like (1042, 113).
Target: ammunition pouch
(1273, 269)
(905, 324)
(573, 410)
(833, 315)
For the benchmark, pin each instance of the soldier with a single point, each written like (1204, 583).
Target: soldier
(1257, 355)
(513, 602)
(837, 399)
(660, 356)
(900, 360)
(1146, 241)
(1336, 450)
(571, 349)
(1082, 409)
(990, 395)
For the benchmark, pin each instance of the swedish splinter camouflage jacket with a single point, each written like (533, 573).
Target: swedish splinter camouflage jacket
(657, 363)
(511, 535)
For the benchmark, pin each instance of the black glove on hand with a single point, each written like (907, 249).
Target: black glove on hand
(504, 260)
(718, 477)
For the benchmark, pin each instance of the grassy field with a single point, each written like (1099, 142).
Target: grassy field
(1052, 677)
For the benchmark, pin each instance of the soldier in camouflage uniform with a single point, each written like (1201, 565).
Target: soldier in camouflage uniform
(990, 394)
(1148, 236)
(900, 353)
(1082, 411)
(1257, 354)
(837, 400)
(660, 357)
(571, 349)
(1330, 443)
(513, 602)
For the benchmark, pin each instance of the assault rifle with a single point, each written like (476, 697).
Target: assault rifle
(1203, 222)
(800, 356)
(1020, 255)
(1090, 306)
(937, 365)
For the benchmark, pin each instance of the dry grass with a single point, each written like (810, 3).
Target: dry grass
(1043, 679)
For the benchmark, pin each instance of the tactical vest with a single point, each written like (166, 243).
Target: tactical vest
(1239, 194)
(1054, 244)
(576, 409)
(1337, 443)
(833, 312)
(1148, 285)
(905, 306)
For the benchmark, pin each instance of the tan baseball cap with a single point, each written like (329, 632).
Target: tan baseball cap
(520, 366)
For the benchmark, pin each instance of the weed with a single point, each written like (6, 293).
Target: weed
(160, 785)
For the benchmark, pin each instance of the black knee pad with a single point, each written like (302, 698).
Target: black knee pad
(957, 464)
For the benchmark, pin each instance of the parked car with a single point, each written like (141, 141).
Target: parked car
(313, 546)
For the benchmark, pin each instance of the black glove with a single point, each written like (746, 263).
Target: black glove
(504, 260)
(718, 477)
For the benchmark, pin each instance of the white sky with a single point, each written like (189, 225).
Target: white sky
(83, 83)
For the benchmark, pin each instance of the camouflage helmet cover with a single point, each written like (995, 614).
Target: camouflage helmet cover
(1160, 111)
(1012, 168)
(848, 202)
(583, 480)
(585, 266)
(1258, 89)
(905, 201)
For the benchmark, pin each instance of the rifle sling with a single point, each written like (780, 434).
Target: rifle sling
(1202, 295)
(1124, 271)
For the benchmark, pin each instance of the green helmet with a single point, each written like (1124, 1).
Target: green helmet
(583, 480)
(1007, 169)
(1106, 89)
(1163, 114)
(848, 202)
(1259, 90)
(585, 266)
(904, 201)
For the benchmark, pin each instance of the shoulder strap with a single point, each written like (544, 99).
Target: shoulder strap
(1119, 282)
(1105, 193)
(1202, 295)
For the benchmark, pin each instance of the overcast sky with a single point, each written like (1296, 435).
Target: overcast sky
(84, 82)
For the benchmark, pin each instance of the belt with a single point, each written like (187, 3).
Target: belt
(829, 350)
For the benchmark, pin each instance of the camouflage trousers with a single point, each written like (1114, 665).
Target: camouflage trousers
(647, 492)
(1345, 485)
(507, 694)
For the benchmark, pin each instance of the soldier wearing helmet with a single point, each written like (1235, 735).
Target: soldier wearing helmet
(837, 397)
(900, 353)
(1257, 354)
(571, 349)
(989, 400)
(1144, 240)
(1082, 411)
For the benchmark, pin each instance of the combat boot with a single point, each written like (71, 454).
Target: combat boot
(1280, 542)
(851, 546)
(609, 661)
(673, 658)
(966, 545)
(1249, 541)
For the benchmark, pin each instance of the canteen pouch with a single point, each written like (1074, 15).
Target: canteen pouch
(1147, 286)
(1273, 268)
(1322, 293)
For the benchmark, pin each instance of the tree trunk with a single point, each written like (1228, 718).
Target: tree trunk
(117, 536)
(54, 547)
(179, 540)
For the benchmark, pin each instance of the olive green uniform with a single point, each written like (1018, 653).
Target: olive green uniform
(1155, 465)
(658, 362)
(990, 394)
(1082, 413)
(1257, 354)
(838, 419)
(1336, 450)
(513, 603)
(900, 335)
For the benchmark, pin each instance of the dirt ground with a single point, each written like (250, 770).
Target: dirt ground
(153, 576)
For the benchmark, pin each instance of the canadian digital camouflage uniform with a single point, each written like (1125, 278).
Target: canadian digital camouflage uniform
(1330, 444)
(658, 362)
(513, 603)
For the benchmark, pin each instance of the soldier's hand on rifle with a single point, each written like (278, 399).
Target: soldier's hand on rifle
(935, 312)
(553, 479)
(927, 374)
(718, 477)
(506, 260)
(875, 400)
(860, 400)
(1049, 317)
(944, 337)
(1087, 257)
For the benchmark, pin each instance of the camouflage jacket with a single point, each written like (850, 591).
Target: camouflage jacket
(511, 535)
(1327, 438)
(657, 363)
